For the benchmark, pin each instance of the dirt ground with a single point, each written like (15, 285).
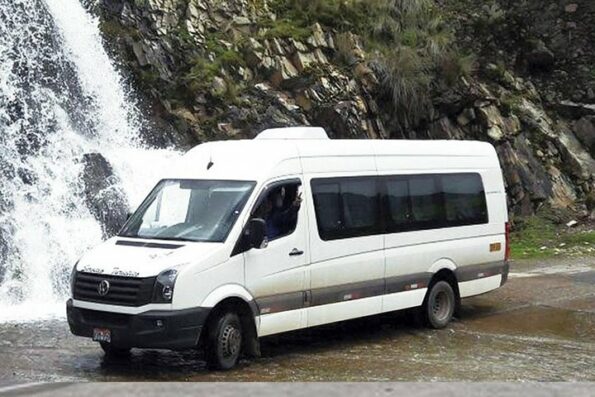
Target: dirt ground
(539, 327)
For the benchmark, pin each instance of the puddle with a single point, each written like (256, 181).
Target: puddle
(540, 321)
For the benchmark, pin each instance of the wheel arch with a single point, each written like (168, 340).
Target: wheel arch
(234, 300)
(444, 269)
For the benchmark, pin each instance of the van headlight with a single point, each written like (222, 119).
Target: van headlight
(163, 291)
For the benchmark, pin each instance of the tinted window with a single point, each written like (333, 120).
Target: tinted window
(349, 207)
(346, 207)
(426, 206)
(399, 211)
(360, 203)
(327, 200)
(421, 202)
(464, 199)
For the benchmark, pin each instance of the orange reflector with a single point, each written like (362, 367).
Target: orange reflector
(495, 247)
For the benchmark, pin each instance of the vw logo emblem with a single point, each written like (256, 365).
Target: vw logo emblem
(103, 288)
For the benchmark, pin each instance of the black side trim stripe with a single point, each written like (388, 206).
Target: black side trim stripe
(281, 302)
(148, 245)
(340, 293)
(408, 282)
(347, 292)
(366, 289)
(474, 272)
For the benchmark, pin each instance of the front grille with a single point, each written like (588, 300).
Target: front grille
(123, 291)
(104, 319)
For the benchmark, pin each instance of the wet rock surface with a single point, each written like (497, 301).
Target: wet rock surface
(539, 327)
(105, 199)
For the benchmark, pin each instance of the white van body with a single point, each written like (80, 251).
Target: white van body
(302, 280)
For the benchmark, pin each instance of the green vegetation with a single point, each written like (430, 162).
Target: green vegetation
(510, 103)
(533, 234)
(454, 65)
(338, 14)
(409, 38)
(284, 29)
(204, 69)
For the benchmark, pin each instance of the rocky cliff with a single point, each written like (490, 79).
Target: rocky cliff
(516, 74)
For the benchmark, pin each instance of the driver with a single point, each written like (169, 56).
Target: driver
(278, 220)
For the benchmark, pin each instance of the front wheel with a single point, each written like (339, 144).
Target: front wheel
(224, 341)
(439, 305)
(112, 351)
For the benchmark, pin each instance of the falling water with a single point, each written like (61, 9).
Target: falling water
(60, 97)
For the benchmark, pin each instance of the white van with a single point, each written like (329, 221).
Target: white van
(290, 230)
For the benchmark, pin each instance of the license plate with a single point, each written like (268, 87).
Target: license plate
(102, 335)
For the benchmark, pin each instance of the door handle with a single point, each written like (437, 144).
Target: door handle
(296, 252)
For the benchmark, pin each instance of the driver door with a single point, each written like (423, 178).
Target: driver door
(276, 274)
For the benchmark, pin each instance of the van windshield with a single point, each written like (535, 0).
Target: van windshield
(189, 210)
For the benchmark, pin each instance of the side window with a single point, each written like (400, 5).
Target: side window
(327, 201)
(279, 209)
(464, 198)
(422, 202)
(360, 204)
(346, 207)
(399, 210)
(426, 203)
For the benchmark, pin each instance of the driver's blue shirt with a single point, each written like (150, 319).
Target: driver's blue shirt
(278, 221)
(272, 229)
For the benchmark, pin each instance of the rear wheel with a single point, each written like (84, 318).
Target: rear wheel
(112, 351)
(439, 305)
(224, 341)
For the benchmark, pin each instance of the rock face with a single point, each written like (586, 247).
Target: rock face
(226, 70)
(106, 201)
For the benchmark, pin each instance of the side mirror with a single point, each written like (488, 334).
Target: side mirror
(256, 233)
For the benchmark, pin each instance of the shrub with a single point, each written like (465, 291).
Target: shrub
(455, 65)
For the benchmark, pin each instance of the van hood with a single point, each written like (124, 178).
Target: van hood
(144, 258)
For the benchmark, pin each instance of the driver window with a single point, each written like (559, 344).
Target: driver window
(279, 209)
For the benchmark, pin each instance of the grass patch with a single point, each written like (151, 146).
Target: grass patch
(538, 237)
(284, 29)
(205, 68)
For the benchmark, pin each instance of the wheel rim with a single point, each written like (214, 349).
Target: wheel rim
(441, 306)
(231, 341)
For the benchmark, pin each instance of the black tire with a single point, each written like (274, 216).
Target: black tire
(224, 341)
(112, 351)
(439, 305)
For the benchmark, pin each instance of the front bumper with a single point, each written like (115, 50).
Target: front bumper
(178, 329)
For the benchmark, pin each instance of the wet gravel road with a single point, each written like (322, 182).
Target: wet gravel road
(540, 326)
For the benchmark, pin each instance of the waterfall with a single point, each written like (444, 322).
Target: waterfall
(60, 98)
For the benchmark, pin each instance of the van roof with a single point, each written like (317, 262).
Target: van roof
(252, 159)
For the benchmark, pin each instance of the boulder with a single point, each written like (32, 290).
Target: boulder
(575, 110)
(284, 73)
(444, 128)
(218, 87)
(318, 39)
(102, 193)
(540, 57)
(578, 162)
(584, 129)
(528, 184)
(492, 121)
